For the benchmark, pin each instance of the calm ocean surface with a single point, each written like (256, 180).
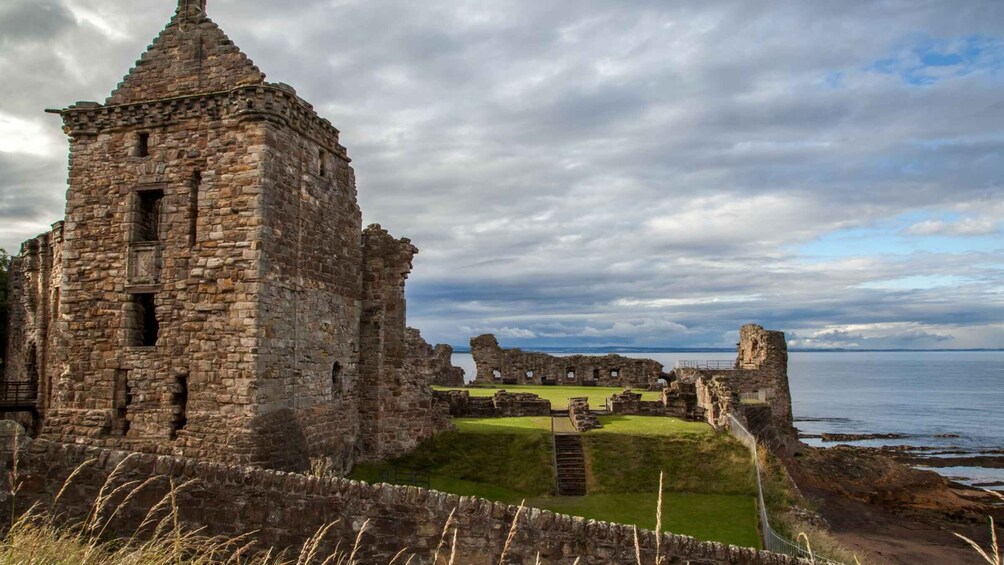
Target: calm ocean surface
(923, 395)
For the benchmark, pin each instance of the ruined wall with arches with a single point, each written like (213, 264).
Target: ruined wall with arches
(497, 366)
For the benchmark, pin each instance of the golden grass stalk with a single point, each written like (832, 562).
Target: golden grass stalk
(512, 532)
(658, 523)
(808, 546)
(637, 546)
(397, 556)
(359, 538)
(13, 478)
(309, 549)
(993, 556)
(66, 483)
(442, 536)
(453, 547)
(102, 499)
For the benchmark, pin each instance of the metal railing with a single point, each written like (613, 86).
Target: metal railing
(18, 393)
(756, 397)
(405, 476)
(772, 541)
(714, 365)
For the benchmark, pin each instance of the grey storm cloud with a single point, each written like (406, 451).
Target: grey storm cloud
(596, 172)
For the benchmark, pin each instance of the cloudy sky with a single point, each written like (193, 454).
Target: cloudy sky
(585, 172)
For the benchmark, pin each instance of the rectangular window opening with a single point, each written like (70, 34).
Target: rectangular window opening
(322, 168)
(143, 145)
(148, 215)
(146, 328)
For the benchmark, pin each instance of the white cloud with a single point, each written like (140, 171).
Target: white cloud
(622, 172)
(963, 227)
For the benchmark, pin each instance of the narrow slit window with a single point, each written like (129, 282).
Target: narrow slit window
(180, 402)
(322, 167)
(148, 210)
(123, 398)
(146, 328)
(143, 145)
(193, 208)
(336, 376)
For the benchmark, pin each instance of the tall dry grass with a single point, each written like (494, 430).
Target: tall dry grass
(992, 555)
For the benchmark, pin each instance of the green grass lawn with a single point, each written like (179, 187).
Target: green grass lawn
(708, 476)
(730, 518)
(620, 463)
(652, 426)
(523, 425)
(559, 395)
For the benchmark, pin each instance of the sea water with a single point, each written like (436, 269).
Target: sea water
(952, 401)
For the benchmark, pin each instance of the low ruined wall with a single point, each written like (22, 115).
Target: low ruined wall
(283, 510)
(630, 403)
(514, 366)
(501, 404)
(580, 415)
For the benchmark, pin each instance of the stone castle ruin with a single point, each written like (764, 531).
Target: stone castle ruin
(434, 363)
(211, 308)
(754, 388)
(212, 291)
(497, 366)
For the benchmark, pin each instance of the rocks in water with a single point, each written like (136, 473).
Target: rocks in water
(828, 437)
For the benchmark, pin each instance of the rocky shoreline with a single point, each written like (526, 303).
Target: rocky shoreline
(874, 500)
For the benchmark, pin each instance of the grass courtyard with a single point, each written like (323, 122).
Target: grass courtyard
(558, 395)
(708, 478)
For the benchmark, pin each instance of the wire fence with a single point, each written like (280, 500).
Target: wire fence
(772, 541)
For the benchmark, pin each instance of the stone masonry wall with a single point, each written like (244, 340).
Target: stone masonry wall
(630, 403)
(501, 404)
(434, 363)
(191, 390)
(761, 365)
(311, 291)
(283, 510)
(212, 293)
(33, 325)
(396, 407)
(513, 366)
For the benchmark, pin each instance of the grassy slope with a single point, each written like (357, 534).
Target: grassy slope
(559, 395)
(694, 459)
(717, 517)
(506, 462)
(509, 459)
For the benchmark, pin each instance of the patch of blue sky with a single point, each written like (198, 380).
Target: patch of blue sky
(922, 60)
(917, 282)
(889, 237)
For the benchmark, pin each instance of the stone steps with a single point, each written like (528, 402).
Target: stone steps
(569, 465)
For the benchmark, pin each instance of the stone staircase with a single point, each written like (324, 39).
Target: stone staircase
(569, 465)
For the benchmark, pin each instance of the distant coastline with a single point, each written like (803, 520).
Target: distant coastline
(626, 349)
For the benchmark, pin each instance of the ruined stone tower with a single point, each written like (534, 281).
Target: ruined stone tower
(215, 294)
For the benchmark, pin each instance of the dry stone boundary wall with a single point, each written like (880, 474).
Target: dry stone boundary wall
(284, 509)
